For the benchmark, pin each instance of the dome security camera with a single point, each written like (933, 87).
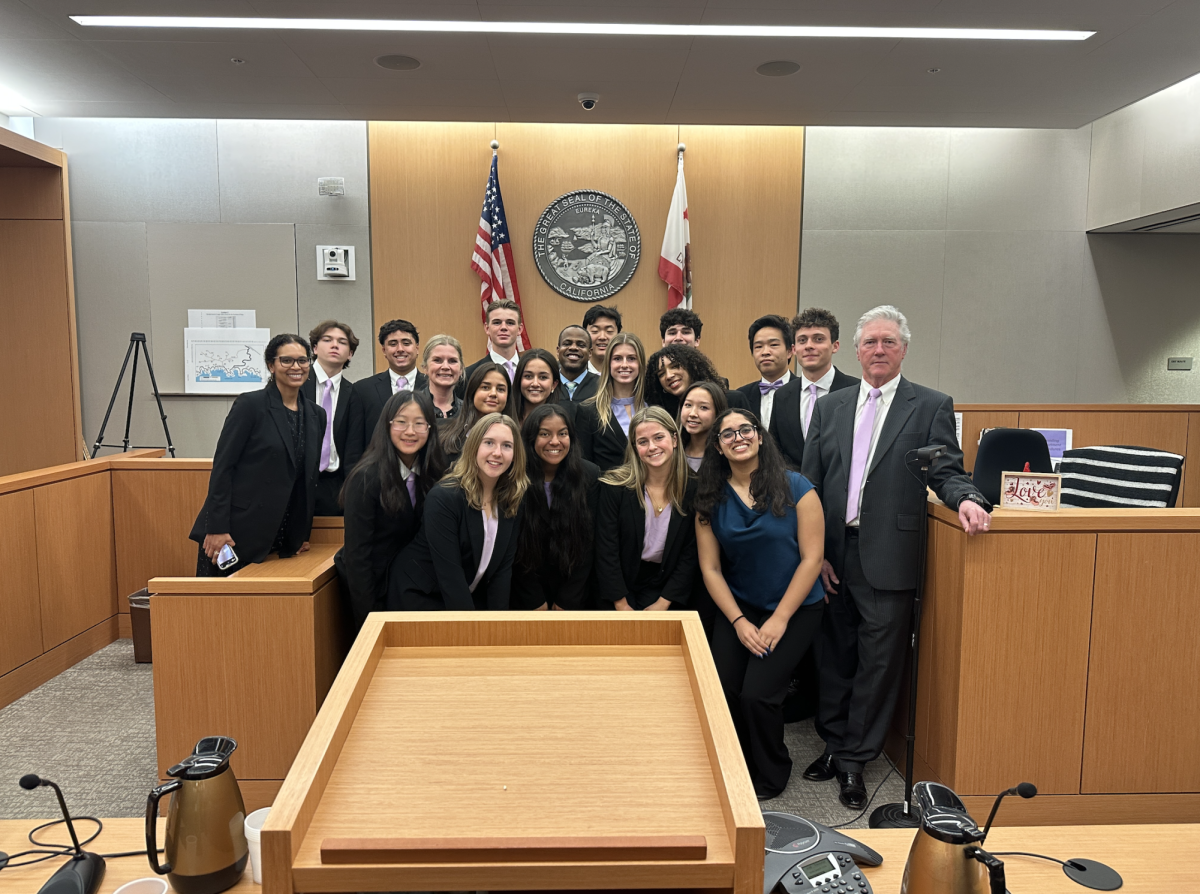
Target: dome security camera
(589, 101)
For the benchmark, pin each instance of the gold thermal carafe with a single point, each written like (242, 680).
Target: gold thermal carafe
(205, 845)
(945, 857)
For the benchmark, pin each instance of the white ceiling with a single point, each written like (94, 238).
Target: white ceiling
(62, 69)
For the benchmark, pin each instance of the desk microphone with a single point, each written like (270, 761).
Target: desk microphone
(81, 874)
(1025, 790)
(930, 453)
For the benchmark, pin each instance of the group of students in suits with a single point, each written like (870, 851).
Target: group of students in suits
(595, 477)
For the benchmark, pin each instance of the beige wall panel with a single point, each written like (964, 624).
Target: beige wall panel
(33, 258)
(744, 199)
(1156, 430)
(75, 556)
(31, 194)
(21, 636)
(153, 512)
(744, 204)
(427, 184)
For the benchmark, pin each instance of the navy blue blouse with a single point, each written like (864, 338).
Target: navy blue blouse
(759, 551)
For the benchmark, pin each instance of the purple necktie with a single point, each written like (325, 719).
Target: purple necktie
(858, 461)
(764, 387)
(401, 383)
(511, 366)
(812, 402)
(411, 484)
(327, 441)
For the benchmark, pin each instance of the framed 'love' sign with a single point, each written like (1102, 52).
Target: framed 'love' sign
(1038, 492)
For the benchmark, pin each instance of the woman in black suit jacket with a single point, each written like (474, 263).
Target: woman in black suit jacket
(638, 564)
(603, 420)
(263, 487)
(383, 499)
(462, 558)
(556, 544)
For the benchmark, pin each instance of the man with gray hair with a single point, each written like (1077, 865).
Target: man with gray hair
(859, 452)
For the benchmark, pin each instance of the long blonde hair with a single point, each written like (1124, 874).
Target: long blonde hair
(603, 399)
(510, 487)
(632, 472)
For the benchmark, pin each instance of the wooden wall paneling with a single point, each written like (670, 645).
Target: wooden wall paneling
(745, 193)
(1027, 603)
(1159, 429)
(427, 183)
(81, 445)
(974, 422)
(31, 194)
(153, 512)
(77, 574)
(21, 631)
(35, 295)
(633, 163)
(1144, 684)
(941, 633)
(1189, 488)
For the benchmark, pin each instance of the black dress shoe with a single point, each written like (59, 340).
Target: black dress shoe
(821, 769)
(854, 790)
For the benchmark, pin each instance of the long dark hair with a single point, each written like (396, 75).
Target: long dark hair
(697, 364)
(382, 459)
(720, 404)
(455, 434)
(554, 535)
(516, 399)
(769, 486)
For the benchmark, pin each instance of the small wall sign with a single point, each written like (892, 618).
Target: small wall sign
(1038, 492)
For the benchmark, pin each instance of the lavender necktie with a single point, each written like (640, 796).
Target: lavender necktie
(812, 402)
(327, 441)
(858, 460)
(401, 383)
(411, 484)
(511, 366)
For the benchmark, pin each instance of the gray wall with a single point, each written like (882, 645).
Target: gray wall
(978, 235)
(141, 189)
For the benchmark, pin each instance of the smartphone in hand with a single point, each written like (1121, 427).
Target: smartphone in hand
(226, 558)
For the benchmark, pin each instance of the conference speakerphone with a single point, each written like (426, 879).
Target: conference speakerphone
(803, 856)
(828, 873)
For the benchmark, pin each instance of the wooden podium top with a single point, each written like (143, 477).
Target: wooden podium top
(519, 733)
(1094, 520)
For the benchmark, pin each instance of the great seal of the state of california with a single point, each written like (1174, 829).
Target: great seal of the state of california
(586, 245)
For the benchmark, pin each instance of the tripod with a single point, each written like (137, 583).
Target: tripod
(901, 816)
(136, 340)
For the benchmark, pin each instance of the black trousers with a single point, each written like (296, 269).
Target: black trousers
(329, 485)
(755, 688)
(864, 641)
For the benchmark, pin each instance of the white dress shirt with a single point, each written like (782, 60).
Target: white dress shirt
(395, 377)
(504, 361)
(592, 369)
(884, 402)
(768, 400)
(823, 385)
(334, 460)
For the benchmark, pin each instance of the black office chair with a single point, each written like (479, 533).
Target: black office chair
(1119, 477)
(1007, 450)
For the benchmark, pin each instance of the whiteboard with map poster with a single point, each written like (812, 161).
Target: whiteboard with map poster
(224, 361)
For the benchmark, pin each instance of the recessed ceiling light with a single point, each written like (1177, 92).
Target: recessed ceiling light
(621, 28)
(396, 62)
(777, 69)
(238, 61)
(933, 71)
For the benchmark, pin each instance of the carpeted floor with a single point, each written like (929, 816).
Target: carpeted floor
(91, 730)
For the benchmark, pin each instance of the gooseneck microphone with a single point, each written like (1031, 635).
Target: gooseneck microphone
(81, 874)
(1025, 790)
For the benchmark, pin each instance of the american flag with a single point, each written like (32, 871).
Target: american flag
(492, 258)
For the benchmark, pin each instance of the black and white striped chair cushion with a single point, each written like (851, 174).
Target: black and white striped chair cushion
(1113, 477)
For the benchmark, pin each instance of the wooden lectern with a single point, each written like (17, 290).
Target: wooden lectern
(509, 751)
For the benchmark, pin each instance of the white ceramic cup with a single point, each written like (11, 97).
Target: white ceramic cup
(254, 824)
(144, 886)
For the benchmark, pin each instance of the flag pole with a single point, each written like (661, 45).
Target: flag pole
(680, 149)
(495, 146)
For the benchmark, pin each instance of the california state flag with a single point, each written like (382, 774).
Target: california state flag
(675, 261)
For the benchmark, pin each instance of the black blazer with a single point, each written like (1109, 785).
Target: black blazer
(460, 389)
(787, 425)
(374, 537)
(585, 389)
(372, 393)
(893, 500)
(620, 536)
(253, 482)
(532, 589)
(603, 446)
(348, 427)
(735, 399)
(435, 571)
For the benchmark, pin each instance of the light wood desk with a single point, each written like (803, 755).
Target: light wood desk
(1151, 859)
(1059, 649)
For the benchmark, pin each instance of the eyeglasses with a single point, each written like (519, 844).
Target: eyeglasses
(420, 426)
(289, 362)
(745, 432)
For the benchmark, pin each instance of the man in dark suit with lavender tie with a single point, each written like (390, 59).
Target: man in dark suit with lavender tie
(859, 444)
